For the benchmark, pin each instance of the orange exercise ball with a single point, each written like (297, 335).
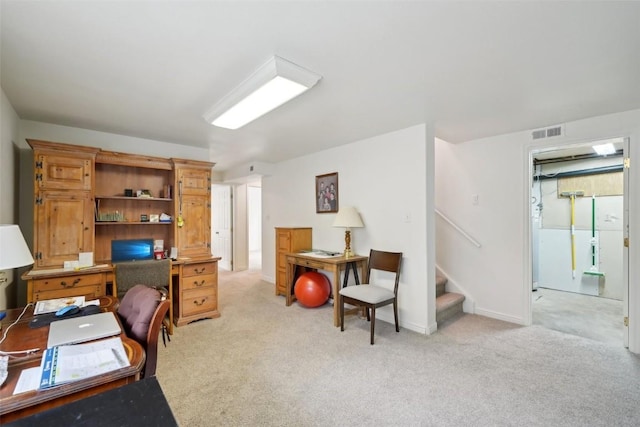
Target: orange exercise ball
(312, 289)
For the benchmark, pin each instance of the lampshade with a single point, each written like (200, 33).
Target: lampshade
(14, 251)
(348, 217)
(273, 84)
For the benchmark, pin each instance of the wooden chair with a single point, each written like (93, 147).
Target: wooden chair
(372, 296)
(152, 273)
(141, 313)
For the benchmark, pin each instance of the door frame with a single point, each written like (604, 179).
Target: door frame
(530, 150)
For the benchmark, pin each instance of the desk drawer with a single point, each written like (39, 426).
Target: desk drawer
(89, 292)
(196, 301)
(200, 269)
(66, 282)
(197, 282)
(311, 264)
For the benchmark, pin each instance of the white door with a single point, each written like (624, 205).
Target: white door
(625, 249)
(221, 224)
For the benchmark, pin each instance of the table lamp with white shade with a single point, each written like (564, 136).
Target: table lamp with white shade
(348, 217)
(14, 251)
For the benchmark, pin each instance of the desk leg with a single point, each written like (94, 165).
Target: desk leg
(335, 284)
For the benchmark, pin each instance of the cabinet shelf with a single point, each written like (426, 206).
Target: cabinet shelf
(159, 199)
(134, 223)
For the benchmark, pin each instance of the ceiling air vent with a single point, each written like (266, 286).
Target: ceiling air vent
(547, 133)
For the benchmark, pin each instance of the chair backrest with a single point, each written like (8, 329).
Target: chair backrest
(141, 312)
(154, 273)
(385, 261)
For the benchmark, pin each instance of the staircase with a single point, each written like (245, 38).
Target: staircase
(448, 304)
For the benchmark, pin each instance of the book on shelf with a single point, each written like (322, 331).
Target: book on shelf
(67, 363)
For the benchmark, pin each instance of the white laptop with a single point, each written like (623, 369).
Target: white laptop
(83, 328)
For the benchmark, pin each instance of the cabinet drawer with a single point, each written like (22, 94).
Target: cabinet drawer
(200, 269)
(89, 292)
(66, 283)
(195, 301)
(197, 282)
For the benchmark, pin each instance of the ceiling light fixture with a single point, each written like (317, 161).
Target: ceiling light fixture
(604, 149)
(273, 84)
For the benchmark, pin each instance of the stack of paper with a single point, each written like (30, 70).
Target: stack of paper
(68, 363)
(52, 305)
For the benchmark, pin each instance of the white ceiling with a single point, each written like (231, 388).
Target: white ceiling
(151, 69)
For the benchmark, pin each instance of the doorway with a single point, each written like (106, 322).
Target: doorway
(577, 223)
(254, 220)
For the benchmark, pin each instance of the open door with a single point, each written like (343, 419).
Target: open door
(221, 225)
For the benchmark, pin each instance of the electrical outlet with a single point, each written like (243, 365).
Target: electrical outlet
(475, 200)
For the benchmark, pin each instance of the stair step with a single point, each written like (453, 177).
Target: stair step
(441, 283)
(448, 305)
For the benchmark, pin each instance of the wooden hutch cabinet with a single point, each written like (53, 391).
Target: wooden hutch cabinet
(288, 240)
(82, 203)
(63, 202)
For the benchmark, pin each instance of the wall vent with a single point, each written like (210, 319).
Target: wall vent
(547, 132)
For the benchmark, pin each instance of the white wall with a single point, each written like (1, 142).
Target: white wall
(108, 141)
(387, 179)
(497, 169)
(8, 207)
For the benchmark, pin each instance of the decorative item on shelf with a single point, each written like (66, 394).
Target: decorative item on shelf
(165, 217)
(110, 217)
(154, 218)
(14, 251)
(166, 192)
(144, 194)
(327, 193)
(128, 192)
(144, 218)
(348, 218)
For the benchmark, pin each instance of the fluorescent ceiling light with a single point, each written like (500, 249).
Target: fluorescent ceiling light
(604, 149)
(273, 84)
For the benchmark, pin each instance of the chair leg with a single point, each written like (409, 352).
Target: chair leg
(373, 322)
(395, 313)
(368, 317)
(341, 313)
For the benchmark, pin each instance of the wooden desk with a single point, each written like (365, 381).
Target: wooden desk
(141, 403)
(334, 264)
(22, 337)
(193, 290)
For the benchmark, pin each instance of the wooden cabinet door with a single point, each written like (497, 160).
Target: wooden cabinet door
(63, 172)
(194, 237)
(64, 226)
(195, 181)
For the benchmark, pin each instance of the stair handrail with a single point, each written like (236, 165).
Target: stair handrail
(458, 229)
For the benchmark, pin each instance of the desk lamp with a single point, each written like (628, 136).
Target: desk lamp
(348, 218)
(14, 251)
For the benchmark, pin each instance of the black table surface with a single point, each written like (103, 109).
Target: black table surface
(141, 403)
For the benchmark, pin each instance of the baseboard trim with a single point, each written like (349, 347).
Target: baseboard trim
(500, 316)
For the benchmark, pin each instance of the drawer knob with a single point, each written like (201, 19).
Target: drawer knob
(199, 271)
(202, 282)
(201, 301)
(66, 285)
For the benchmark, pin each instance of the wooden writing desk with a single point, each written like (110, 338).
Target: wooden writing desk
(334, 264)
(22, 337)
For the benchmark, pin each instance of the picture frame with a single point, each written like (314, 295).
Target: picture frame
(154, 218)
(327, 193)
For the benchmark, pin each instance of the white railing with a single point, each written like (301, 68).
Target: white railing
(458, 229)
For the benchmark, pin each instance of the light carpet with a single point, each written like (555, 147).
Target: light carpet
(265, 364)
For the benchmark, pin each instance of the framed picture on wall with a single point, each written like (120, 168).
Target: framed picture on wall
(327, 193)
